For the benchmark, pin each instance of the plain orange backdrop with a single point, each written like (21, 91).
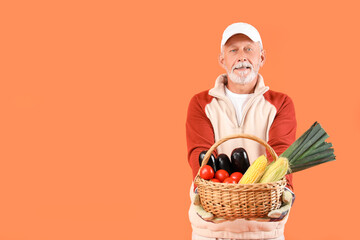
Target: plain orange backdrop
(93, 102)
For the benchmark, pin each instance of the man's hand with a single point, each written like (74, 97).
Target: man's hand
(288, 199)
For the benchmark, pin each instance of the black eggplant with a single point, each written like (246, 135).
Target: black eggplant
(239, 160)
(212, 161)
(224, 162)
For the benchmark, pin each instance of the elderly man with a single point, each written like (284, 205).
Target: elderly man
(240, 103)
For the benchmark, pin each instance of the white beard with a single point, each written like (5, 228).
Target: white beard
(241, 79)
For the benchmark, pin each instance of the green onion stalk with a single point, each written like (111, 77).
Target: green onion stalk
(309, 150)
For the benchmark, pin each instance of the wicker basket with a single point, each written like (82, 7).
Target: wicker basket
(232, 201)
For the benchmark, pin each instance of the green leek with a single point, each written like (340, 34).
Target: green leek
(309, 150)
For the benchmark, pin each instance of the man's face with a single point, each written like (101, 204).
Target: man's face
(242, 59)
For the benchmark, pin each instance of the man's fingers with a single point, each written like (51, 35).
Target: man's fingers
(287, 197)
(281, 212)
(202, 213)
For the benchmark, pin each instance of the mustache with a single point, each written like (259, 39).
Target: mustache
(242, 64)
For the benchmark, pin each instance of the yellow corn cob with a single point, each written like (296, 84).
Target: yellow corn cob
(276, 171)
(269, 165)
(255, 171)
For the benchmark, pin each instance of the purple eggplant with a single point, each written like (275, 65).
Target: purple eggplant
(212, 161)
(239, 160)
(224, 162)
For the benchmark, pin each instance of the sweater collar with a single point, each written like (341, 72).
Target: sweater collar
(221, 81)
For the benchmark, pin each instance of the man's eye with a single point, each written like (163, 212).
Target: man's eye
(248, 49)
(233, 50)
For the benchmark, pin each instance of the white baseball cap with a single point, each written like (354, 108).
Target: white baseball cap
(241, 28)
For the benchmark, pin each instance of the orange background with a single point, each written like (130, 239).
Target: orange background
(93, 101)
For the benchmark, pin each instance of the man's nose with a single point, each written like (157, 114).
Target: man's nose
(241, 59)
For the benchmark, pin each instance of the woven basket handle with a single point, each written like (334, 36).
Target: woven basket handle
(241, 135)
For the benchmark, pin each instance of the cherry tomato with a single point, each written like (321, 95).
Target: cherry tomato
(206, 172)
(237, 176)
(221, 174)
(215, 180)
(229, 180)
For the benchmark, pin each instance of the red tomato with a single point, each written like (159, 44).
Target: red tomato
(206, 172)
(215, 180)
(237, 176)
(229, 180)
(221, 174)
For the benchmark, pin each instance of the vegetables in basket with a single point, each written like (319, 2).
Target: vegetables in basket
(232, 201)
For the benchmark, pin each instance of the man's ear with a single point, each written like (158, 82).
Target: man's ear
(221, 60)
(262, 57)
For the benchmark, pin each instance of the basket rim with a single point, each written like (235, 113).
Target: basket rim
(239, 187)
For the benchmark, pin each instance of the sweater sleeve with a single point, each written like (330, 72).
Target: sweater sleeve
(199, 131)
(282, 132)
